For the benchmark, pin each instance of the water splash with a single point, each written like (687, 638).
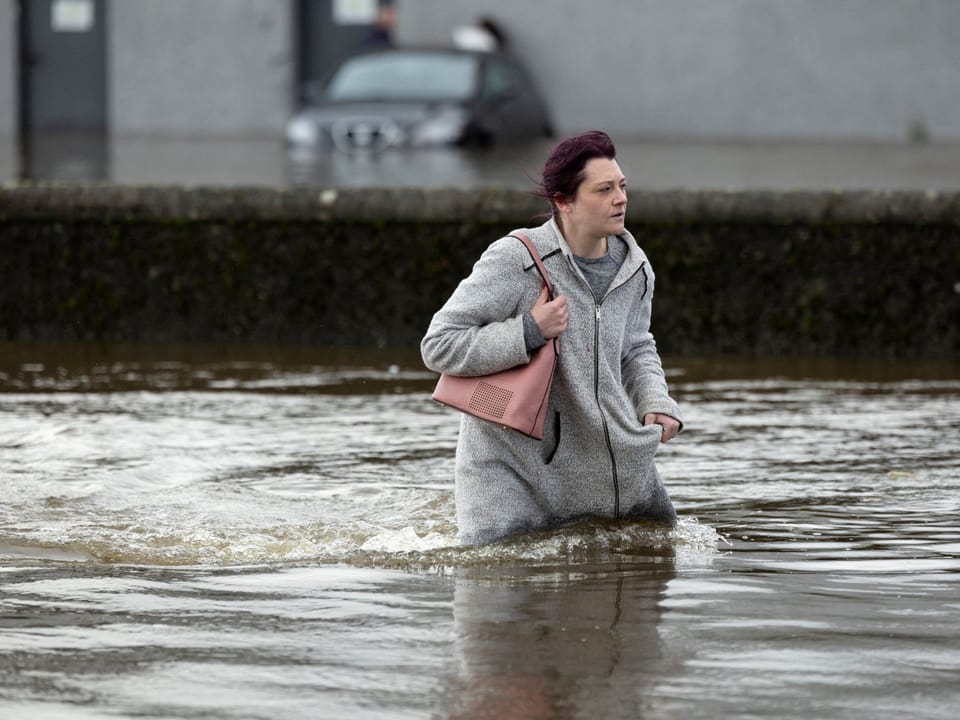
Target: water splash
(168, 538)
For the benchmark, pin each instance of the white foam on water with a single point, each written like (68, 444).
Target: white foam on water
(404, 541)
(409, 529)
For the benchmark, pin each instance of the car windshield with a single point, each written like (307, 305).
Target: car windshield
(404, 76)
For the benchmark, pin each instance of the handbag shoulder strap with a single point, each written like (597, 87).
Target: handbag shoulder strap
(536, 259)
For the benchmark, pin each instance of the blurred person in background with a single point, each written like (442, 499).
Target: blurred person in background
(380, 34)
(485, 35)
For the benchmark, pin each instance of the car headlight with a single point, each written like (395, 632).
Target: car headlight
(301, 131)
(441, 129)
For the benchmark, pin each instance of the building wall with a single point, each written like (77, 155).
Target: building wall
(201, 67)
(9, 160)
(8, 69)
(776, 69)
(750, 69)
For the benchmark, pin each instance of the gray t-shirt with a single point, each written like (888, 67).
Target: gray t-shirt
(599, 272)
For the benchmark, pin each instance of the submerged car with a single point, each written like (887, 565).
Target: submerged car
(422, 98)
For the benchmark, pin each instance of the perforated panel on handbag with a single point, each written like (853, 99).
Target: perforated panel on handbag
(490, 399)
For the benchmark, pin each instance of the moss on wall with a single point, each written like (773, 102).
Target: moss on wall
(871, 274)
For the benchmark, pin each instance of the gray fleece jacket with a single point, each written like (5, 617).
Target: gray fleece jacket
(596, 459)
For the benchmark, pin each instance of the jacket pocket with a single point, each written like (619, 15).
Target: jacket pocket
(551, 451)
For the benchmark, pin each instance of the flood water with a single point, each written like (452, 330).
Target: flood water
(652, 164)
(203, 532)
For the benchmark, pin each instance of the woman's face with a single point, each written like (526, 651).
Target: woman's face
(599, 207)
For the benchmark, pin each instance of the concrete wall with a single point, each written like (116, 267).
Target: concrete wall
(9, 162)
(750, 69)
(201, 66)
(8, 69)
(874, 69)
(864, 274)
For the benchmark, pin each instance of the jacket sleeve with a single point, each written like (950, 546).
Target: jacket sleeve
(642, 368)
(479, 330)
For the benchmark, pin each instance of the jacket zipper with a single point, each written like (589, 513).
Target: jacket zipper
(596, 395)
(603, 418)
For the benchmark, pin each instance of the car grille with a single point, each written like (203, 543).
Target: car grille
(365, 134)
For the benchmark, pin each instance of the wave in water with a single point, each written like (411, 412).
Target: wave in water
(409, 528)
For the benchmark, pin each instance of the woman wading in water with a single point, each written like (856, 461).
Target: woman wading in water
(609, 405)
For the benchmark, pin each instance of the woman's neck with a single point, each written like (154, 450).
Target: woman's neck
(586, 246)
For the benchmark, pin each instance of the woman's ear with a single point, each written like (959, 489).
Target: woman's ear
(562, 203)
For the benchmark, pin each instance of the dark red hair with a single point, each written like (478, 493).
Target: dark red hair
(563, 170)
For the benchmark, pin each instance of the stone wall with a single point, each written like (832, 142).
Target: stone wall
(865, 274)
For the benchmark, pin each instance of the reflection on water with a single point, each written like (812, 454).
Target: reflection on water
(148, 160)
(540, 643)
(268, 532)
(65, 157)
(650, 164)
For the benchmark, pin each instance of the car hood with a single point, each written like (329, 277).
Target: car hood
(403, 113)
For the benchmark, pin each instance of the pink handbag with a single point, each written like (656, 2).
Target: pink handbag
(515, 398)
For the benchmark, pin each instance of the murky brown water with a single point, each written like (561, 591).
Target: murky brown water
(264, 532)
